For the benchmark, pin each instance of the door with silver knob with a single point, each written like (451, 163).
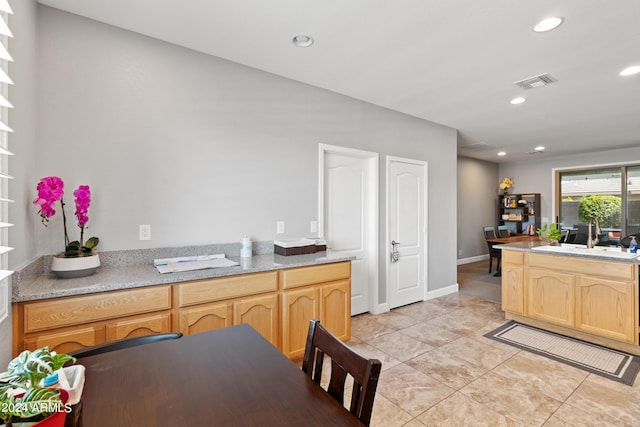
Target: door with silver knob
(406, 187)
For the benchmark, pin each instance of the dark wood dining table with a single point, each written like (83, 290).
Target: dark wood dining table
(510, 239)
(226, 377)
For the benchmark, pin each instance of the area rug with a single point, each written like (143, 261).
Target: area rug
(613, 364)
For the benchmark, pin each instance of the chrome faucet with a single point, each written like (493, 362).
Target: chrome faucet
(592, 241)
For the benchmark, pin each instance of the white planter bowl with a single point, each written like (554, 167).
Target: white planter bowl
(69, 268)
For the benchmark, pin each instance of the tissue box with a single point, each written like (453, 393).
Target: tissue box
(294, 246)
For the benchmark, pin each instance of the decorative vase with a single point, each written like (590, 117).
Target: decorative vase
(72, 267)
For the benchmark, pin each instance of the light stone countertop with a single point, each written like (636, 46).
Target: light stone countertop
(114, 276)
(599, 254)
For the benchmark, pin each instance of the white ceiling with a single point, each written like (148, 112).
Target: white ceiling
(453, 62)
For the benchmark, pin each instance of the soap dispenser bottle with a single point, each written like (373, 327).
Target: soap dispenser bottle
(633, 245)
(247, 248)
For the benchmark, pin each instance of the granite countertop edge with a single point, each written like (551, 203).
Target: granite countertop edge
(119, 277)
(528, 247)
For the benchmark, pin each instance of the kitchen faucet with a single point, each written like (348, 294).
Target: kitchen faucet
(592, 241)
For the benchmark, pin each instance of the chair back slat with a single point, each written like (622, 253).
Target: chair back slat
(344, 361)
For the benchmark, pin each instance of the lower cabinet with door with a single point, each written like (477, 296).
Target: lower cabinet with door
(590, 299)
(318, 292)
(278, 304)
(69, 323)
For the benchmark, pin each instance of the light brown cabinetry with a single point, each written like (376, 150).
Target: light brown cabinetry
(587, 298)
(66, 324)
(208, 317)
(550, 296)
(617, 322)
(318, 292)
(209, 304)
(278, 304)
(513, 281)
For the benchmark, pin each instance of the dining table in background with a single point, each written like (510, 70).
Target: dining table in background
(532, 240)
(226, 377)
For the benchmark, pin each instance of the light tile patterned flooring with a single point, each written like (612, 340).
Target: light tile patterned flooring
(439, 370)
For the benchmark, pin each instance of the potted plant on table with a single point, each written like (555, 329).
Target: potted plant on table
(22, 397)
(78, 258)
(550, 233)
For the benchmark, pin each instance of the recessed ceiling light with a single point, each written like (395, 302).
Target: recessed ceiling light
(629, 71)
(517, 100)
(303, 41)
(548, 24)
(502, 153)
(539, 148)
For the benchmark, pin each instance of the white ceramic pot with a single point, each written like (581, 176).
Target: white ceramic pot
(68, 268)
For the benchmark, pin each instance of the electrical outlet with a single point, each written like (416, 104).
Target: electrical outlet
(280, 227)
(459, 251)
(313, 226)
(145, 232)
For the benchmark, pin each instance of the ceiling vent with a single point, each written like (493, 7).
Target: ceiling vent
(535, 81)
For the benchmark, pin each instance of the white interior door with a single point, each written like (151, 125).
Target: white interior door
(406, 225)
(348, 217)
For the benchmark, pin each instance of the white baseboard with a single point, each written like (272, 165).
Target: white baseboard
(473, 259)
(442, 292)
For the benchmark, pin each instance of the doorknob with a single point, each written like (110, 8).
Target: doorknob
(395, 255)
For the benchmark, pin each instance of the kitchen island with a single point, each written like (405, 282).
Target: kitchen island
(277, 295)
(589, 294)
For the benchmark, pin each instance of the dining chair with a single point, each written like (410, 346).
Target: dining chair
(490, 233)
(503, 231)
(344, 360)
(124, 343)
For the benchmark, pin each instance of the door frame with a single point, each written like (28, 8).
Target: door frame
(372, 250)
(425, 219)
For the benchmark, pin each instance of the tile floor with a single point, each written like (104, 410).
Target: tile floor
(439, 370)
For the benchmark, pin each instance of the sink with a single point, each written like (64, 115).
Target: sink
(599, 251)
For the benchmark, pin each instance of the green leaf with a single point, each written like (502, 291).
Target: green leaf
(92, 243)
(38, 400)
(74, 244)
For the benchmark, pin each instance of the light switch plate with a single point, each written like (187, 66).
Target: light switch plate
(145, 232)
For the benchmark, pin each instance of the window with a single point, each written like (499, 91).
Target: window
(5, 105)
(609, 194)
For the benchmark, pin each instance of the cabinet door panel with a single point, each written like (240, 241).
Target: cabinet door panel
(335, 308)
(512, 288)
(606, 308)
(261, 313)
(66, 341)
(551, 296)
(138, 326)
(298, 309)
(205, 318)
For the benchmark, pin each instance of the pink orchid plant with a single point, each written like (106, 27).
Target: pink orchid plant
(50, 190)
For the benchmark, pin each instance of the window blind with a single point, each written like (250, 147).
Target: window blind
(5, 154)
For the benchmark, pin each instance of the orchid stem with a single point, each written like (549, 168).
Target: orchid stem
(64, 223)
